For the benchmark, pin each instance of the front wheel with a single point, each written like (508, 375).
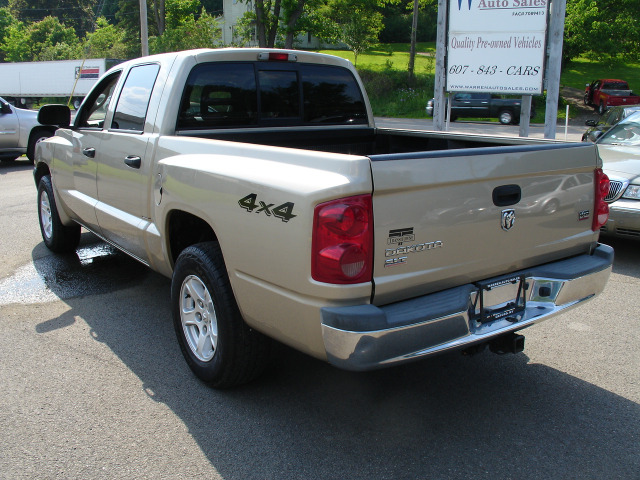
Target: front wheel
(57, 237)
(505, 117)
(217, 344)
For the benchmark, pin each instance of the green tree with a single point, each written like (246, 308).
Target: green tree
(106, 41)
(128, 20)
(78, 14)
(606, 30)
(186, 27)
(47, 39)
(356, 23)
(276, 22)
(6, 20)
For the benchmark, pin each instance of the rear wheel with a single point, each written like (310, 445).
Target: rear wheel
(505, 117)
(57, 237)
(217, 344)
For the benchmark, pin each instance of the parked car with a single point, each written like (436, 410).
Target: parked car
(466, 104)
(20, 131)
(619, 149)
(608, 120)
(606, 93)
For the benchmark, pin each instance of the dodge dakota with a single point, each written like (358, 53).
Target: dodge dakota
(257, 181)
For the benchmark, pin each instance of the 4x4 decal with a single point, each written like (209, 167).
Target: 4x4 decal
(284, 212)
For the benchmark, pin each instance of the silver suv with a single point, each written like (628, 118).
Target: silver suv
(20, 131)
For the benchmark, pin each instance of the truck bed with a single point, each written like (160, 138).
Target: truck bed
(360, 140)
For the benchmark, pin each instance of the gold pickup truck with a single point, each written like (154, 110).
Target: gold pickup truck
(257, 180)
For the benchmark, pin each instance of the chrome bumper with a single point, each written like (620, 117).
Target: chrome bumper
(366, 337)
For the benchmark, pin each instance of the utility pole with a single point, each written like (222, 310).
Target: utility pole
(554, 66)
(144, 31)
(441, 49)
(414, 32)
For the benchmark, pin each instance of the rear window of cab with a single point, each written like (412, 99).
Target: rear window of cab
(229, 95)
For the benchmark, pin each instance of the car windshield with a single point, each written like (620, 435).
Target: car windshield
(626, 132)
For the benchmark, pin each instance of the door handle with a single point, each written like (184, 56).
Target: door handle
(506, 195)
(89, 152)
(133, 161)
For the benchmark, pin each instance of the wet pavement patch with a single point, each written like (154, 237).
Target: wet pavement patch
(93, 269)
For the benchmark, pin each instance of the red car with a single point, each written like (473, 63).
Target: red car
(606, 93)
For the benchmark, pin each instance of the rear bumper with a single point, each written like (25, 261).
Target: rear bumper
(366, 337)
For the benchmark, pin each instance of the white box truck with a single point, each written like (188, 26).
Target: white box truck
(25, 83)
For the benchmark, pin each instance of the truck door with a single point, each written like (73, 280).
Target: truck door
(461, 105)
(479, 104)
(124, 167)
(76, 181)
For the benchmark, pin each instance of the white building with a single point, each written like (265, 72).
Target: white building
(233, 10)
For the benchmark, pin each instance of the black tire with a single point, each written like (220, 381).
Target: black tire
(9, 159)
(505, 117)
(36, 136)
(57, 237)
(217, 344)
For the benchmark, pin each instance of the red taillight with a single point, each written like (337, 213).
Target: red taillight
(342, 245)
(278, 57)
(601, 208)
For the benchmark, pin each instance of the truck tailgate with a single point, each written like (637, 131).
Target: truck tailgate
(448, 218)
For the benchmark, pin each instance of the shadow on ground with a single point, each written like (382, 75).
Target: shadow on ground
(448, 417)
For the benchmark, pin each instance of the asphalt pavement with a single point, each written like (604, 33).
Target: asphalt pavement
(93, 386)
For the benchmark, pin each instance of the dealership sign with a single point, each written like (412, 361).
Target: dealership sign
(496, 46)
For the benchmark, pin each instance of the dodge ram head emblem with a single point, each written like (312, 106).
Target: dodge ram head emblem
(508, 219)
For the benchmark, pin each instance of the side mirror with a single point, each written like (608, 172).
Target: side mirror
(597, 133)
(590, 123)
(6, 108)
(59, 115)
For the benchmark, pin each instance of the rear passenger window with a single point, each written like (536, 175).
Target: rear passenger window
(227, 95)
(133, 102)
(219, 95)
(331, 95)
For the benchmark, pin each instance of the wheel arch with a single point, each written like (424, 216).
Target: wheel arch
(33, 135)
(185, 229)
(40, 171)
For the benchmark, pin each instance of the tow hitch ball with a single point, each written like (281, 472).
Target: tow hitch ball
(509, 343)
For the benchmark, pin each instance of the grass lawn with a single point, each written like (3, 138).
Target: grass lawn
(394, 55)
(582, 71)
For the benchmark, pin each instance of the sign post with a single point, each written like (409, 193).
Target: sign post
(492, 46)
